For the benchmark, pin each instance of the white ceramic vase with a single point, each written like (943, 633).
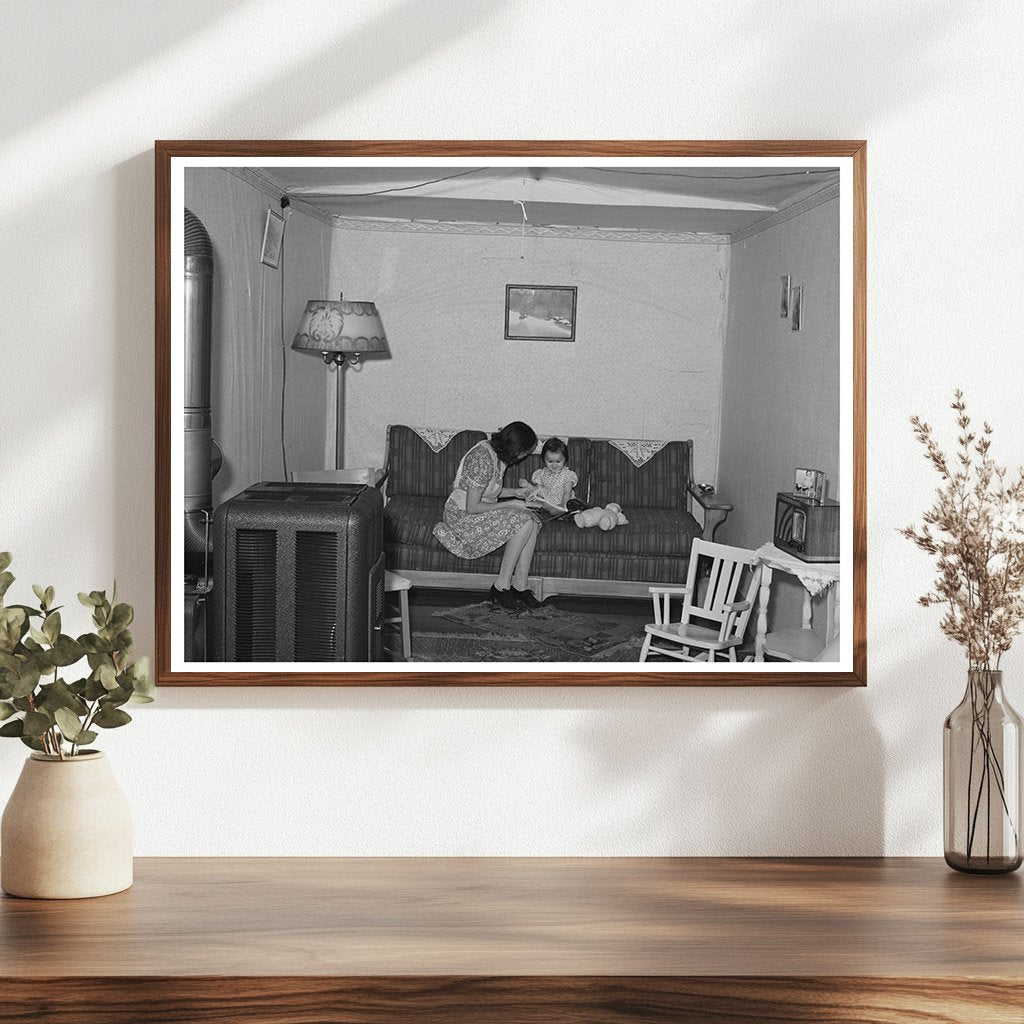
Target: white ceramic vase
(66, 831)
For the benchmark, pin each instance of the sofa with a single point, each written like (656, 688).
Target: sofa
(658, 497)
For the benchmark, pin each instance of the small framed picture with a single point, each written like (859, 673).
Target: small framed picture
(796, 302)
(273, 234)
(810, 484)
(540, 312)
(784, 303)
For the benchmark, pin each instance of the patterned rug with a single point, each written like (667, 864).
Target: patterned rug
(479, 632)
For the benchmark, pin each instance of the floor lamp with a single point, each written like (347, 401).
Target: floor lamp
(343, 334)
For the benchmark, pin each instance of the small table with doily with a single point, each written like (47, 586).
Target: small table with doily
(817, 578)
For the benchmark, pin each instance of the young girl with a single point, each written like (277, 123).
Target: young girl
(554, 481)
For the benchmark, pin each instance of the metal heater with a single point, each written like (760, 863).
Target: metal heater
(298, 574)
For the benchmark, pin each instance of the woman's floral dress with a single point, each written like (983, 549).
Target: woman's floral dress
(474, 534)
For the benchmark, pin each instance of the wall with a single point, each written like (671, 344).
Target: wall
(932, 85)
(780, 392)
(646, 361)
(249, 359)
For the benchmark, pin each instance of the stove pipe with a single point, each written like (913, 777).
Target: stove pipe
(202, 456)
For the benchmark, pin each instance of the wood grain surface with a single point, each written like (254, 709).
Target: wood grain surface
(719, 940)
(167, 150)
(516, 1000)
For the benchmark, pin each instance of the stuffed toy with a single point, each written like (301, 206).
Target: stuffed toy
(606, 518)
(588, 517)
(620, 519)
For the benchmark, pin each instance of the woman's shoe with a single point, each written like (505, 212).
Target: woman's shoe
(527, 599)
(505, 599)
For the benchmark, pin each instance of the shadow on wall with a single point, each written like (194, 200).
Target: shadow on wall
(721, 773)
(348, 63)
(695, 772)
(867, 41)
(919, 677)
(131, 408)
(106, 30)
(394, 39)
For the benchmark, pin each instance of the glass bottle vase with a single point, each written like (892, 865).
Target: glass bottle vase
(981, 747)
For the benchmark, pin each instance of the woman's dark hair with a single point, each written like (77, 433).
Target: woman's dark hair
(556, 446)
(513, 442)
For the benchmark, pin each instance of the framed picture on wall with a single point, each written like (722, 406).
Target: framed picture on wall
(796, 322)
(273, 233)
(538, 312)
(348, 447)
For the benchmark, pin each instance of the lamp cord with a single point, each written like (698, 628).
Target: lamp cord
(284, 360)
(263, 348)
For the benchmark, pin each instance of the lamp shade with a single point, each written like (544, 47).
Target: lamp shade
(338, 326)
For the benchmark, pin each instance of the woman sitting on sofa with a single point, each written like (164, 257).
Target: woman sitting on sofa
(475, 525)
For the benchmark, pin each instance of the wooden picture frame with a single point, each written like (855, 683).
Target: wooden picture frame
(787, 286)
(172, 158)
(273, 236)
(797, 312)
(540, 312)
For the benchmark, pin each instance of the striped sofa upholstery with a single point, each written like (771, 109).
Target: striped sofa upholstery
(659, 483)
(653, 548)
(414, 468)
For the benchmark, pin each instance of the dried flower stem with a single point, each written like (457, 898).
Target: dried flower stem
(975, 530)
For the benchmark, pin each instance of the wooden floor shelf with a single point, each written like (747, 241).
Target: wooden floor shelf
(502, 941)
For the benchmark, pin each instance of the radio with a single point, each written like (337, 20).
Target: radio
(807, 529)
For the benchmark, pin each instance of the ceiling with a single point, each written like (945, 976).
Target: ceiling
(719, 200)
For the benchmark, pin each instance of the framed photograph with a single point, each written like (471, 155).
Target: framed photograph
(810, 484)
(540, 312)
(784, 303)
(797, 303)
(345, 458)
(273, 234)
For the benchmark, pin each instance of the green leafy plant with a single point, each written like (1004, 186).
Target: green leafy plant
(46, 712)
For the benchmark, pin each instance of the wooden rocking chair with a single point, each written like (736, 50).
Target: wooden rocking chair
(713, 618)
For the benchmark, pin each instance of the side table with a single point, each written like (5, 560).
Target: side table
(816, 577)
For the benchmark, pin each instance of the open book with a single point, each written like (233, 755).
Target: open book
(545, 509)
(542, 505)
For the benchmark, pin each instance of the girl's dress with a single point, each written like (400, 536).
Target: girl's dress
(551, 483)
(469, 534)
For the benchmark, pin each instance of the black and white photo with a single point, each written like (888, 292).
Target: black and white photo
(539, 312)
(784, 300)
(796, 307)
(273, 234)
(375, 479)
